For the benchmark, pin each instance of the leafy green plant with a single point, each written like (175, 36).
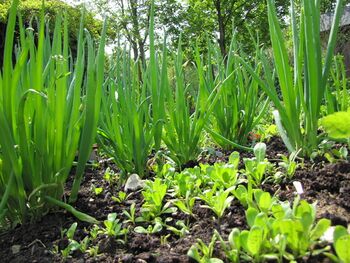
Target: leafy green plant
(224, 175)
(203, 253)
(96, 190)
(186, 205)
(122, 196)
(153, 194)
(255, 167)
(298, 111)
(298, 226)
(44, 119)
(188, 182)
(73, 245)
(217, 201)
(337, 125)
(181, 231)
(289, 164)
(113, 228)
(341, 244)
(131, 216)
(151, 229)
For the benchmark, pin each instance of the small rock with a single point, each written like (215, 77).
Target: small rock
(108, 196)
(219, 154)
(127, 258)
(144, 257)
(133, 183)
(15, 249)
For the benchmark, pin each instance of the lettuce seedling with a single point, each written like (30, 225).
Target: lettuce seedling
(154, 193)
(113, 228)
(203, 253)
(131, 215)
(300, 229)
(256, 167)
(225, 175)
(182, 231)
(217, 201)
(186, 205)
(74, 245)
(151, 229)
(341, 244)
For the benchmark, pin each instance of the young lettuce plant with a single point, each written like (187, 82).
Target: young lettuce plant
(113, 228)
(186, 205)
(337, 125)
(255, 167)
(217, 201)
(341, 244)
(203, 253)
(44, 119)
(298, 111)
(151, 229)
(153, 194)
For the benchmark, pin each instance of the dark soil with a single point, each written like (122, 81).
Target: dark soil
(328, 184)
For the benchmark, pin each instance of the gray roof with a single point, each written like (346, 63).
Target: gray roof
(327, 18)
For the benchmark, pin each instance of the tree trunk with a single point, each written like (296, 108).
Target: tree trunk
(222, 36)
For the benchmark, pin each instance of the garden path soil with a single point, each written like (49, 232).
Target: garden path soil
(328, 184)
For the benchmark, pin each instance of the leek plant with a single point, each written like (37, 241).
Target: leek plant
(299, 102)
(126, 131)
(133, 109)
(48, 112)
(337, 92)
(184, 126)
(241, 104)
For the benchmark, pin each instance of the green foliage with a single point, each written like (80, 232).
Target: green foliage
(277, 231)
(113, 228)
(184, 126)
(298, 110)
(153, 194)
(45, 121)
(203, 253)
(217, 201)
(126, 131)
(151, 229)
(132, 114)
(337, 124)
(32, 8)
(241, 104)
(337, 92)
(341, 239)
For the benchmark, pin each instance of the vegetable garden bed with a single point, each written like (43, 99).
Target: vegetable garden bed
(324, 183)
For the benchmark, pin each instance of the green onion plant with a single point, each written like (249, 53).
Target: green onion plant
(241, 105)
(185, 123)
(133, 109)
(337, 92)
(302, 82)
(49, 105)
